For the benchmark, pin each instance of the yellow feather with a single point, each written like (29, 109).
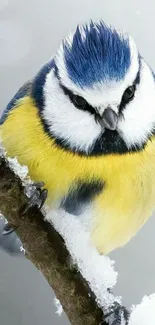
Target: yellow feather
(128, 198)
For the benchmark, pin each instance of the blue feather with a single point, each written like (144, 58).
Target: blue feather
(102, 55)
(38, 84)
(23, 91)
(33, 88)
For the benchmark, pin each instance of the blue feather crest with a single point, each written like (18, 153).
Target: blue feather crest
(98, 54)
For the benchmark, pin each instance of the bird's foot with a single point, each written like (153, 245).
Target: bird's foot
(117, 315)
(8, 229)
(37, 197)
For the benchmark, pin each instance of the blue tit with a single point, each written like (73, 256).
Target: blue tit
(85, 126)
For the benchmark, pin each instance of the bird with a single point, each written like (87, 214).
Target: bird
(85, 127)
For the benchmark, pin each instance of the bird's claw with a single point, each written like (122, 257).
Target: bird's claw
(37, 198)
(117, 315)
(8, 229)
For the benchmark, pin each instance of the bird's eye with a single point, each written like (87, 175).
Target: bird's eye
(129, 93)
(79, 101)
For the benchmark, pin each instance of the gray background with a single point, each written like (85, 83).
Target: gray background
(30, 32)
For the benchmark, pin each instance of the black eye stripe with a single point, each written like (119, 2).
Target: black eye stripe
(73, 99)
(86, 106)
(71, 95)
(136, 82)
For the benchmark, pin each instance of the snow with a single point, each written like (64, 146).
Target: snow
(59, 309)
(97, 269)
(144, 313)
(21, 171)
(22, 249)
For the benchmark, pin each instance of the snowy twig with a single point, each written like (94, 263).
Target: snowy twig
(83, 303)
(46, 249)
(58, 306)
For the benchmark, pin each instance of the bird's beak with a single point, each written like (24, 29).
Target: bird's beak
(109, 119)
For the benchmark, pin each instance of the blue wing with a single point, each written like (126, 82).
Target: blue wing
(23, 91)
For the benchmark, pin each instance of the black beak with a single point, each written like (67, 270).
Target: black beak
(109, 119)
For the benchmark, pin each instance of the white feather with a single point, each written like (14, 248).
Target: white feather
(139, 115)
(76, 127)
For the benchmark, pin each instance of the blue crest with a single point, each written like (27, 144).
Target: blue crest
(101, 55)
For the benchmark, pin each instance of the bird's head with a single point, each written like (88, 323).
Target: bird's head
(99, 95)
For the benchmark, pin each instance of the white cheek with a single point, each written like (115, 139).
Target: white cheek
(139, 116)
(75, 127)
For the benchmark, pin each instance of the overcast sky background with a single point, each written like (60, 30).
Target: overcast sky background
(30, 32)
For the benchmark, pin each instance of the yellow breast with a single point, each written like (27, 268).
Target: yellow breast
(129, 194)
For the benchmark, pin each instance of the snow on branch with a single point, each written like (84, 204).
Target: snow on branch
(83, 288)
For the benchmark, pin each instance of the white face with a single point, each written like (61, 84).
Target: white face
(78, 128)
(139, 114)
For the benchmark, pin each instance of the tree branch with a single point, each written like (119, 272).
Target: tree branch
(46, 250)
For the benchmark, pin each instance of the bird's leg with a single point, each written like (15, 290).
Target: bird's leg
(37, 197)
(117, 315)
